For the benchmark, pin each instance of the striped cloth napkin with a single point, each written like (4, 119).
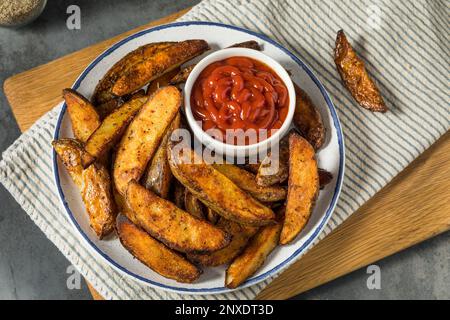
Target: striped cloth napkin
(405, 45)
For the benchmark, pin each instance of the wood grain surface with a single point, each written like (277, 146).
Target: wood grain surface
(412, 208)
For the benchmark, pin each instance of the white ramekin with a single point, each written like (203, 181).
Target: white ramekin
(238, 150)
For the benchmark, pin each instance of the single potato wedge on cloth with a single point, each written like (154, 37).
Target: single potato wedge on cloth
(143, 136)
(355, 76)
(240, 236)
(174, 227)
(247, 182)
(154, 254)
(83, 116)
(157, 176)
(214, 189)
(155, 65)
(253, 256)
(303, 187)
(274, 168)
(94, 184)
(308, 119)
(111, 130)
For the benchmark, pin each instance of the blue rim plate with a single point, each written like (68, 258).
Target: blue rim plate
(281, 264)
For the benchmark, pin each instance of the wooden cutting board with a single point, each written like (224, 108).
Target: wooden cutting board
(412, 208)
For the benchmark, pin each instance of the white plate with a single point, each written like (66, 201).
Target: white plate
(331, 156)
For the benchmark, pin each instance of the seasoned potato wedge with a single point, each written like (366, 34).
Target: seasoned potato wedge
(71, 153)
(85, 119)
(274, 168)
(98, 199)
(355, 77)
(253, 256)
(252, 167)
(308, 120)
(247, 182)
(154, 254)
(325, 178)
(111, 129)
(157, 176)
(154, 66)
(161, 81)
(103, 89)
(303, 187)
(171, 225)
(143, 135)
(193, 206)
(94, 184)
(178, 192)
(240, 236)
(214, 189)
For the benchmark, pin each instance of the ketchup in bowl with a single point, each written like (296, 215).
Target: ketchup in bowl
(239, 93)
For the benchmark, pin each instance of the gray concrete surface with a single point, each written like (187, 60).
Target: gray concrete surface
(30, 265)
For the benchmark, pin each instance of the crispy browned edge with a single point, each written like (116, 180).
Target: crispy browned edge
(308, 119)
(156, 65)
(164, 221)
(197, 190)
(154, 254)
(253, 256)
(303, 187)
(355, 76)
(158, 176)
(83, 116)
(184, 73)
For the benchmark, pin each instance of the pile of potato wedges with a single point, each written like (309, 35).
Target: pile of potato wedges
(174, 214)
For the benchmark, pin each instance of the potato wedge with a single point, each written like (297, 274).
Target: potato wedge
(184, 73)
(274, 168)
(83, 116)
(240, 236)
(154, 254)
(253, 256)
(174, 227)
(94, 184)
(156, 65)
(247, 182)
(71, 153)
(111, 129)
(325, 178)
(157, 176)
(143, 135)
(355, 77)
(308, 120)
(303, 187)
(177, 196)
(214, 189)
(161, 81)
(102, 93)
(252, 167)
(193, 206)
(98, 199)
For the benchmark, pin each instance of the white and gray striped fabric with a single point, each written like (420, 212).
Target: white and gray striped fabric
(405, 45)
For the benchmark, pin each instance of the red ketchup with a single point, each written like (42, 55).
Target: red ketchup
(239, 93)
